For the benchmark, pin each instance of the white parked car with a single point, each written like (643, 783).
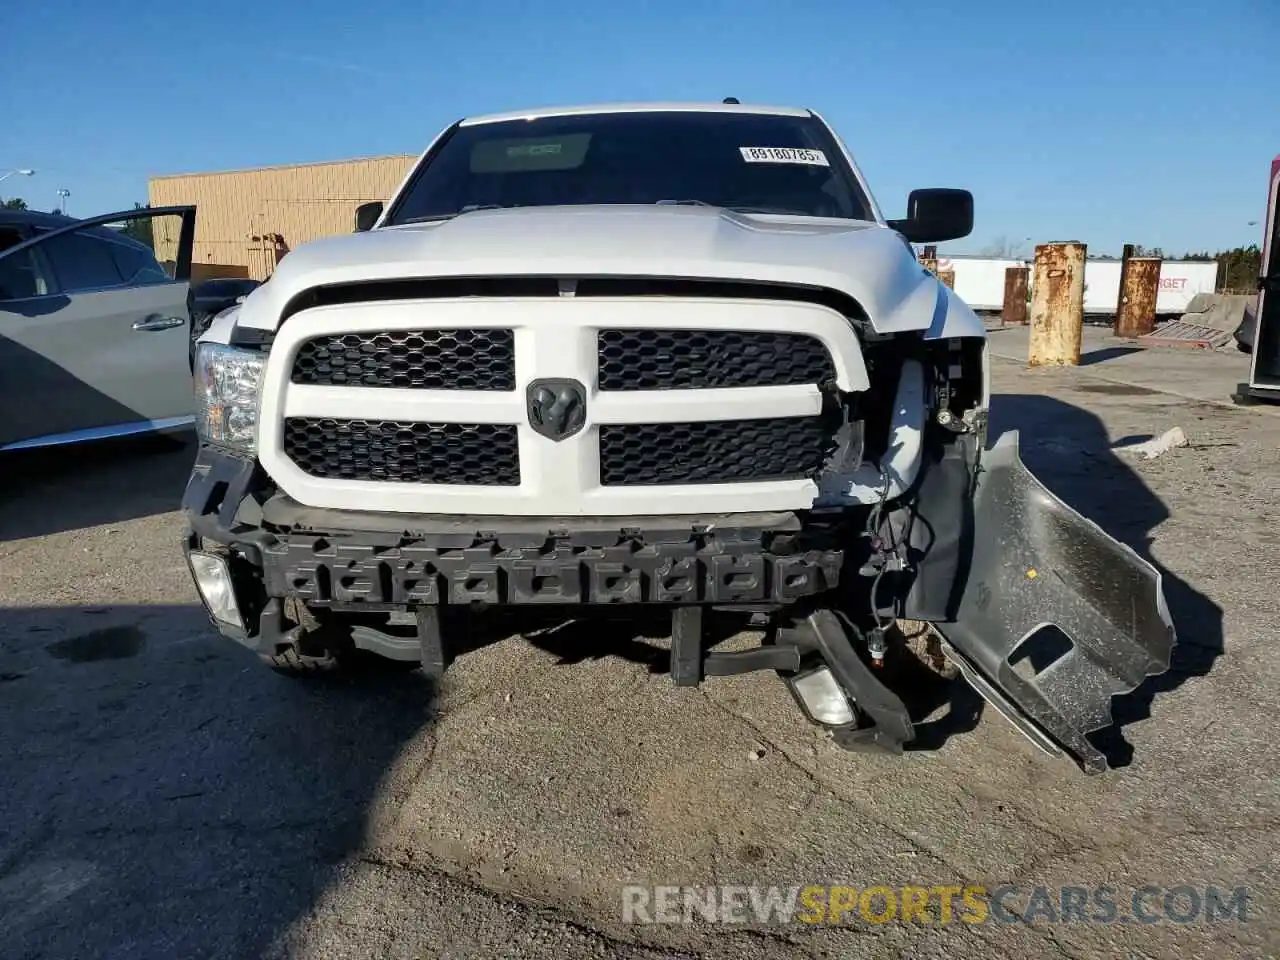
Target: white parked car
(662, 354)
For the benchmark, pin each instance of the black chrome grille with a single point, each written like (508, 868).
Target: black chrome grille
(704, 359)
(718, 451)
(405, 452)
(424, 359)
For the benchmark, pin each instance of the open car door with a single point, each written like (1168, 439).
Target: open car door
(1057, 616)
(94, 328)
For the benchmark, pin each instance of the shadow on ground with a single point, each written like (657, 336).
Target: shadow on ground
(1069, 450)
(575, 636)
(165, 795)
(1106, 353)
(86, 485)
(922, 676)
(917, 669)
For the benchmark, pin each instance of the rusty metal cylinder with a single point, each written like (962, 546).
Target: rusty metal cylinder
(1057, 305)
(1014, 311)
(948, 278)
(1139, 287)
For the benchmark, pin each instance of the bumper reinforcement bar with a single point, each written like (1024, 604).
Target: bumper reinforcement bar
(703, 569)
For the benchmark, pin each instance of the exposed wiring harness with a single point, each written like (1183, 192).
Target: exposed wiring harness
(881, 561)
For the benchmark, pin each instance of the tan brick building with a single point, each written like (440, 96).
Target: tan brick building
(246, 220)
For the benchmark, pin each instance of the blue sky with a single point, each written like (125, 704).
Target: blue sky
(1098, 120)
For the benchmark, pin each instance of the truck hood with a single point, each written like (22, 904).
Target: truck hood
(865, 260)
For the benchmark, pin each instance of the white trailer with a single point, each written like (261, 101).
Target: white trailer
(979, 282)
(1180, 280)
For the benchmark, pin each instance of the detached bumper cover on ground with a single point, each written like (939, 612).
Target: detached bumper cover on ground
(1038, 564)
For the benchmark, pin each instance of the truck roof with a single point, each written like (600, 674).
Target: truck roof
(655, 107)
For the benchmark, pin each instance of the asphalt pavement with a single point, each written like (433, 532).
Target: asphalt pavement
(164, 795)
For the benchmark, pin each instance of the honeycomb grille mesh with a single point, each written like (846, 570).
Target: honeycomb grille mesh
(404, 452)
(424, 359)
(705, 359)
(719, 451)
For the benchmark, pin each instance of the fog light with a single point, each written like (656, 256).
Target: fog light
(213, 580)
(822, 697)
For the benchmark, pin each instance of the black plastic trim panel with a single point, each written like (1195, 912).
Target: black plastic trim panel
(282, 514)
(220, 485)
(516, 285)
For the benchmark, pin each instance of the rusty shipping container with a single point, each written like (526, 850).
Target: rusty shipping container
(248, 219)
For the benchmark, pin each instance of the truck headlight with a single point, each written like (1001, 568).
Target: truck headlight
(228, 385)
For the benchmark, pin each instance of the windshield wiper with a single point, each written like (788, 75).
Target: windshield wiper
(430, 218)
(780, 211)
(734, 208)
(469, 208)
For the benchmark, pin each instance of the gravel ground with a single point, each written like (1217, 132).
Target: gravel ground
(165, 796)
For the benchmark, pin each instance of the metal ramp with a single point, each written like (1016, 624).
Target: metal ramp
(1183, 333)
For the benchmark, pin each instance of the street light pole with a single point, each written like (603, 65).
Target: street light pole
(22, 172)
(63, 192)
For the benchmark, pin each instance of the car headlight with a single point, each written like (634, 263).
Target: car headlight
(228, 385)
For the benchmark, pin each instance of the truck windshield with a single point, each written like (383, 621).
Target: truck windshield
(752, 163)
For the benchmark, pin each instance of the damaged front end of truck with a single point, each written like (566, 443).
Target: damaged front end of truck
(1041, 611)
(650, 395)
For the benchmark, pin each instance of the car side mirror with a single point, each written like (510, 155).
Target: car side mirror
(935, 214)
(367, 215)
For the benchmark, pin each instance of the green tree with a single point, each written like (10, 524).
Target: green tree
(140, 228)
(1238, 269)
(13, 203)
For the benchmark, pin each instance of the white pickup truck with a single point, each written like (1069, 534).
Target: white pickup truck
(664, 354)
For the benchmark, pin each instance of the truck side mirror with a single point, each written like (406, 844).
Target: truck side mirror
(367, 215)
(935, 214)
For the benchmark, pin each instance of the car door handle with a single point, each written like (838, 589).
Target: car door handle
(158, 322)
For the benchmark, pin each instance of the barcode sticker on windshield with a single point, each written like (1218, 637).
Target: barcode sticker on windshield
(814, 158)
